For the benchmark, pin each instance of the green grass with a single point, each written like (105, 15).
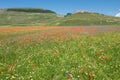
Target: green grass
(89, 19)
(83, 57)
(12, 18)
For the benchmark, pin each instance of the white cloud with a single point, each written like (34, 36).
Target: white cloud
(117, 15)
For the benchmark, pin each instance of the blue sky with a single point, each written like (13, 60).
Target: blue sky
(109, 7)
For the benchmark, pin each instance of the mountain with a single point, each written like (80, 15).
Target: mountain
(88, 19)
(35, 17)
(27, 16)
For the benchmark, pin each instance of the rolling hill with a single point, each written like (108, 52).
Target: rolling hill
(24, 17)
(35, 16)
(89, 18)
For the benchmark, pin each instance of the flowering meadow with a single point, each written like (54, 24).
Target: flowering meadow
(59, 53)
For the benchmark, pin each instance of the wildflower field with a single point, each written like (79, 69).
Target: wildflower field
(59, 53)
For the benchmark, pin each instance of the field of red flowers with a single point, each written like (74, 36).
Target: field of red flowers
(27, 34)
(59, 53)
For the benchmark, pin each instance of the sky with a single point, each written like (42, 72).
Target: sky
(108, 7)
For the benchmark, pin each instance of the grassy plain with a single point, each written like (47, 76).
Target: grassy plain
(60, 53)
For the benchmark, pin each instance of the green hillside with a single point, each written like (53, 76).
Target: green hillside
(31, 16)
(89, 19)
(24, 18)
